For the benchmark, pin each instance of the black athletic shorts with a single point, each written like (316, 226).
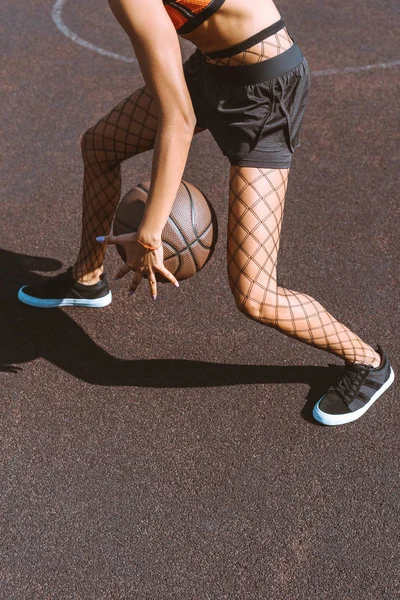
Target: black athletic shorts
(254, 112)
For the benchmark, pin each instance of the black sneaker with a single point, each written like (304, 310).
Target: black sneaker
(63, 290)
(354, 392)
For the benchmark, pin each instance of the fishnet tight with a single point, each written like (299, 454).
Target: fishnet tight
(127, 130)
(271, 46)
(256, 207)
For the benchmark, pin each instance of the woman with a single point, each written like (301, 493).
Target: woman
(248, 83)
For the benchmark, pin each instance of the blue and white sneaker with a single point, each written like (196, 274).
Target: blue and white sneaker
(354, 392)
(63, 290)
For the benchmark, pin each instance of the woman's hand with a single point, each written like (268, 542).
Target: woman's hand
(140, 260)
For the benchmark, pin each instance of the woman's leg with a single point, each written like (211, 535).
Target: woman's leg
(127, 130)
(256, 207)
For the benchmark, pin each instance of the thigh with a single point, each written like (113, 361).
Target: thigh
(126, 130)
(256, 206)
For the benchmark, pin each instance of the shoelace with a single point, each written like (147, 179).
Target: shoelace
(348, 383)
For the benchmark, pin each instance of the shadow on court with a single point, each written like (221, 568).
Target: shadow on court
(31, 333)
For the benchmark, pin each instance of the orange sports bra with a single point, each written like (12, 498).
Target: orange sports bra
(187, 15)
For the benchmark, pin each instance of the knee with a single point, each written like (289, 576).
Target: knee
(261, 310)
(248, 308)
(96, 153)
(90, 143)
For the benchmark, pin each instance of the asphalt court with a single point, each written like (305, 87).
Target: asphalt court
(167, 450)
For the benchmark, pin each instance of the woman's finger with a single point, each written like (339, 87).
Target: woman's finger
(153, 284)
(116, 239)
(137, 278)
(122, 271)
(168, 275)
(105, 239)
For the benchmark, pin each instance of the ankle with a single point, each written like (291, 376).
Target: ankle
(377, 361)
(373, 362)
(87, 277)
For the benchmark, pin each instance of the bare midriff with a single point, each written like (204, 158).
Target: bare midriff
(236, 21)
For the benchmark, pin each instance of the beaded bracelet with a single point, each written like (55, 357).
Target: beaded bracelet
(146, 246)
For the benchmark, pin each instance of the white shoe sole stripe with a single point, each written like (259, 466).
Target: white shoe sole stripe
(327, 419)
(42, 303)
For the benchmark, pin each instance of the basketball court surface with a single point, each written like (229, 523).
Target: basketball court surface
(166, 450)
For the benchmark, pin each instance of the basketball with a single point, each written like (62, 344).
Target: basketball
(189, 236)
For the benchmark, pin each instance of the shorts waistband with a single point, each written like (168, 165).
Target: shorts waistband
(257, 72)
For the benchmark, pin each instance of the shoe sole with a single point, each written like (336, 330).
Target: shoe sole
(327, 419)
(56, 303)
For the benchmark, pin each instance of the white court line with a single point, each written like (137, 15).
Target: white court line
(393, 63)
(56, 14)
